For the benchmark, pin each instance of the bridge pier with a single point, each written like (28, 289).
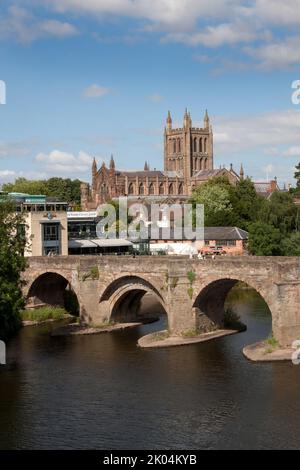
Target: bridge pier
(286, 312)
(182, 315)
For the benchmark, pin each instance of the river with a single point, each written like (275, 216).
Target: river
(103, 392)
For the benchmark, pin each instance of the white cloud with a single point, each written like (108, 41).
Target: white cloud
(96, 91)
(277, 55)
(156, 98)
(275, 11)
(162, 14)
(63, 162)
(292, 152)
(24, 27)
(215, 36)
(57, 28)
(233, 134)
(20, 148)
(6, 174)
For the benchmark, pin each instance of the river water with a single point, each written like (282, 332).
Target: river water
(103, 392)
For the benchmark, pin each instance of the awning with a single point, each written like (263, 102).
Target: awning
(111, 242)
(81, 244)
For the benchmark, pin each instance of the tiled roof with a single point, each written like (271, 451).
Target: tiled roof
(225, 233)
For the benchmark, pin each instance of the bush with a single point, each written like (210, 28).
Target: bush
(43, 313)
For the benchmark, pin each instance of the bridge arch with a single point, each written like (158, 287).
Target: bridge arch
(52, 288)
(121, 301)
(209, 303)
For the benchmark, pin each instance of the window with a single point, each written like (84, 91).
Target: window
(180, 189)
(171, 188)
(174, 146)
(178, 145)
(130, 189)
(205, 145)
(226, 242)
(51, 232)
(195, 144)
(151, 188)
(141, 189)
(161, 189)
(200, 145)
(51, 238)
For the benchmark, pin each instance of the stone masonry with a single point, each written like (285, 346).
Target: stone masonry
(188, 290)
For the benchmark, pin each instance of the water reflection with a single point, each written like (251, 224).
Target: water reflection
(102, 391)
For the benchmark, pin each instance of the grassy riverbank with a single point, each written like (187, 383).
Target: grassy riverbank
(43, 313)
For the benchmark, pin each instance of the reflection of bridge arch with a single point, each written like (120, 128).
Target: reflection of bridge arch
(49, 288)
(122, 298)
(211, 299)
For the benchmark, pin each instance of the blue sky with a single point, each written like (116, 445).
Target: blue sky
(91, 78)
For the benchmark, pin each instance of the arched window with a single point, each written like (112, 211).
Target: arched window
(180, 188)
(195, 144)
(200, 145)
(205, 163)
(131, 188)
(178, 145)
(171, 188)
(161, 189)
(200, 164)
(174, 145)
(205, 145)
(141, 189)
(151, 188)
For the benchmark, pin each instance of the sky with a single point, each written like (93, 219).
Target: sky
(91, 78)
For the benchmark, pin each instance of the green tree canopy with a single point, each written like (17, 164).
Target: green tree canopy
(291, 245)
(246, 203)
(12, 263)
(264, 240)
(65, 189)
(215, 195)
(280, 212)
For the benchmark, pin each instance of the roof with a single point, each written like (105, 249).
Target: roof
(99, 242)
(205, 174)
(225, 233)
(210, 233)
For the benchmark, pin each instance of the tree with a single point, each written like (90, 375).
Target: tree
(12, 263)
(264, 240)
(246, 203)
(22, 185)
(297, 173)
(216, 198)
(291, 245)
(280, 212)
(65, 189)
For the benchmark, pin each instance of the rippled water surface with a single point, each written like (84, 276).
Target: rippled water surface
(103, 392)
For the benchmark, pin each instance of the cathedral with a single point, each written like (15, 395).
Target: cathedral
(188, 162)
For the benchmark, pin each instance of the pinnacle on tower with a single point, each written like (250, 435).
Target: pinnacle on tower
(242, 172)
(169, 121)
(94, 166)
(186, 119)
(112, 163)
(146, 167)
(206, 120)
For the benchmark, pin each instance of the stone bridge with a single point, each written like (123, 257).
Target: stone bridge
(189, 291)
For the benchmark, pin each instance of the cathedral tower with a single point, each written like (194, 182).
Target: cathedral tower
(189, 149)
